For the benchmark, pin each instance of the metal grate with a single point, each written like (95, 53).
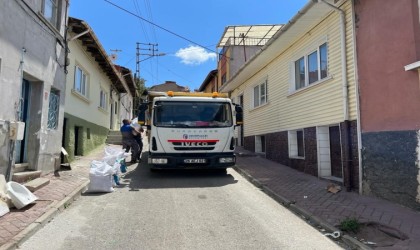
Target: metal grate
(53, 110)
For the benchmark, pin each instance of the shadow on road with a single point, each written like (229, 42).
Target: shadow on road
(139, 176)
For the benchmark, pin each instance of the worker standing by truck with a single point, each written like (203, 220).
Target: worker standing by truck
(128, 134)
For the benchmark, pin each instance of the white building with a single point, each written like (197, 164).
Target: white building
(32, 78)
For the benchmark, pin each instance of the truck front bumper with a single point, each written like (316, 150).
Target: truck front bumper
(187, 161)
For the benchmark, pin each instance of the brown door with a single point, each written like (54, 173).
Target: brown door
(335, 152)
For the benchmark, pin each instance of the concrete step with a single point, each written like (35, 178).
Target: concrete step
(26, 176)
(114, 142)
(20, 167)
(115, 137)
(36, 184)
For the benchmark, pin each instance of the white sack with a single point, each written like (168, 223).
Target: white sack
(100, 184)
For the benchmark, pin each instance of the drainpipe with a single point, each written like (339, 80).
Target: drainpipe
(346, 124)
(343, 58)
(359, 126)
(12, 143)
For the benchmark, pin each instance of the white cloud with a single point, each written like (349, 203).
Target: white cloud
(194, 55)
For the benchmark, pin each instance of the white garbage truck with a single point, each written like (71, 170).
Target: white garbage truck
(190, 130)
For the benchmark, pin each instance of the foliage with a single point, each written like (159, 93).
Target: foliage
(140, 87)
(350, 225)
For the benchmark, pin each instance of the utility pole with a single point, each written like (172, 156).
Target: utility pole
(137, 74)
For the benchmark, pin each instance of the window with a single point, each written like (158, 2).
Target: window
(50, 11)
(260, 144)
(296, 144)
(80, 81)
(260, 94)
(53, 109)
(103, 99)
(311, 68)
(116, 108)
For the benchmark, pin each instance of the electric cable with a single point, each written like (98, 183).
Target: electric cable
(160, 27)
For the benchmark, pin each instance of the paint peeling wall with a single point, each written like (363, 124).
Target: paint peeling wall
(32, 49)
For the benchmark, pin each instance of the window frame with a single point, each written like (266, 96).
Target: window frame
(103, 99)
(83, 84)
(51, 7)
(320, 74)
(296, 148)
(260, 100)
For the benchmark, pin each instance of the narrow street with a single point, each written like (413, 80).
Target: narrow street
(178, 210)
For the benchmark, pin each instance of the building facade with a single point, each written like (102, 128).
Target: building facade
(32, 75)
(388, 62)
(95, 89)
(299, 95)
(210, 84)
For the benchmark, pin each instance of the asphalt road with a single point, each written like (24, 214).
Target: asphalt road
(178, 210)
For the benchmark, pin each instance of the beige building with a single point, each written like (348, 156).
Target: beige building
(99, 94)
(299, 94)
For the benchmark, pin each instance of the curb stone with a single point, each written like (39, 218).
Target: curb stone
(350, 241)
(52, 211)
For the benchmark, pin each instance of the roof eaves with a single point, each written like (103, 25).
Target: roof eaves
(92, 44)
(207, 80)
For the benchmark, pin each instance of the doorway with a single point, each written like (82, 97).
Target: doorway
(335, 152)
(329, 152)
(78, 132)
(23, 114)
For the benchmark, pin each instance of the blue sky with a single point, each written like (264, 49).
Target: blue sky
(179, 27)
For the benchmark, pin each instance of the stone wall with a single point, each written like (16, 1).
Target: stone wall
(277, 149)
(389, 166)
(249, 143)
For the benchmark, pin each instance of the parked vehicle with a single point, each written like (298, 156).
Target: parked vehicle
(190, 130)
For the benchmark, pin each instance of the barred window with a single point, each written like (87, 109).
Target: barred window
(53, 109)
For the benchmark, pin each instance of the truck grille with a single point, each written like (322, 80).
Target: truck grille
(182, 147)
(193, 148)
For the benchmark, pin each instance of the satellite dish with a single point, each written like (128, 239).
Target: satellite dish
(113, 57)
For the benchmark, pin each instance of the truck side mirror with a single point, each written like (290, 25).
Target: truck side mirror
(239, 115)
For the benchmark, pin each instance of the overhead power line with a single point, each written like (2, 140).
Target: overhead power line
(160, 27)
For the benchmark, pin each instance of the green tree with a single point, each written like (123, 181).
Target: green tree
(140, 87)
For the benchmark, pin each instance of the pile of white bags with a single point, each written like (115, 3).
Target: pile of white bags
(103, 174)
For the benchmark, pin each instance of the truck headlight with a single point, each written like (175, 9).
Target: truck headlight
(159, 161)
(226, 159)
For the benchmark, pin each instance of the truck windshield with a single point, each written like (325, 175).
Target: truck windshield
(192, 114)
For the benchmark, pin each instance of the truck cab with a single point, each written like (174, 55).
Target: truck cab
(191, 130)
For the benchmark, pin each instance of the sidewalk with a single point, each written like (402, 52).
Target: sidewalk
(18, 225)
(307, 195)
(304, 194)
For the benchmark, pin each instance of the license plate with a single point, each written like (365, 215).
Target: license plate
(195, 161)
